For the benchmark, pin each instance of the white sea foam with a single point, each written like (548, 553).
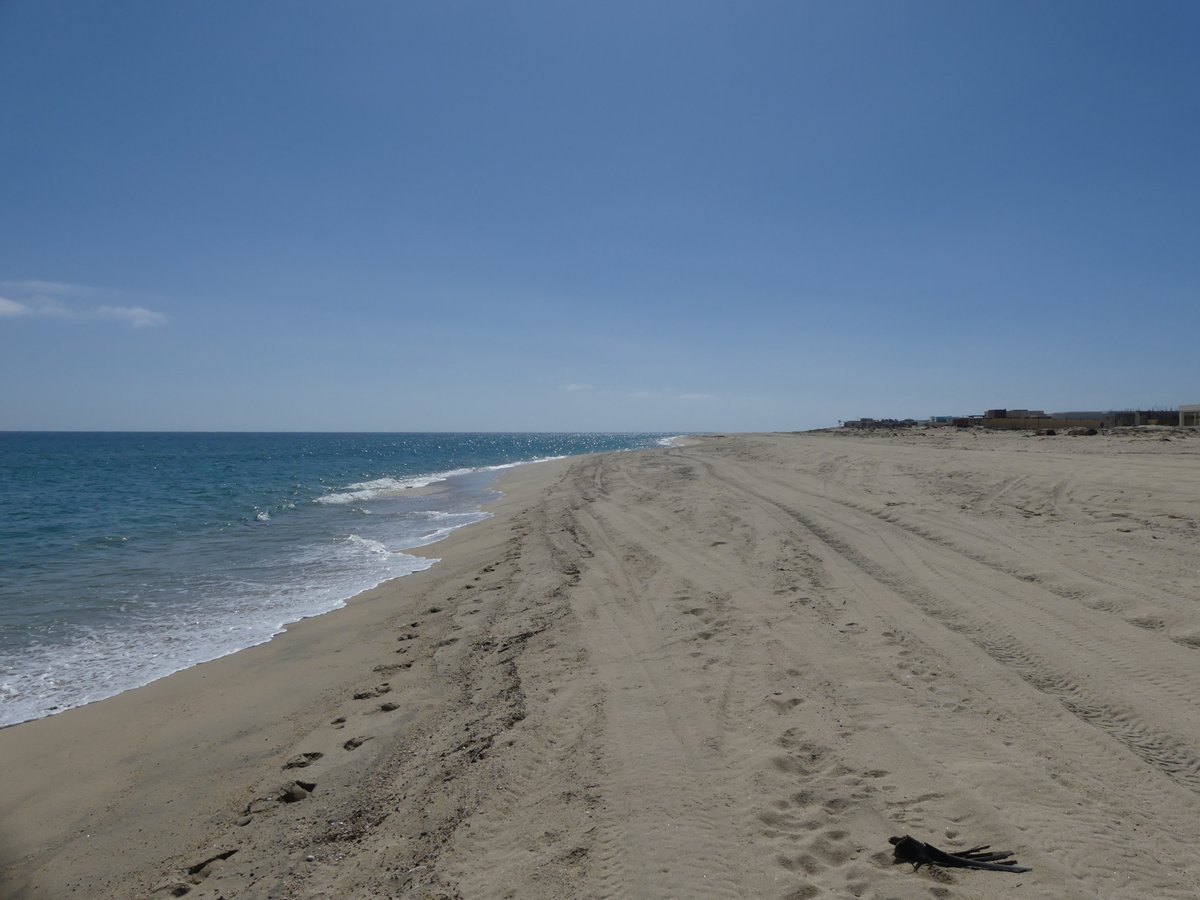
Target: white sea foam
(523, 462)
(101, 661)
(387, 487)
(155, 606)
(395, 487)
(231, 614)
(441, 514)
(368, 546)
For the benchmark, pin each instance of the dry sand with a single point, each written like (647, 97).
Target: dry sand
(731, 669)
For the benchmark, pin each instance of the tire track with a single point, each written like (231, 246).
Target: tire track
(1156, 805)
(1183, 687)
(637, 836)
(1166, 753)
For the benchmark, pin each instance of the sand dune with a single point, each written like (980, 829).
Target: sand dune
(729, 669)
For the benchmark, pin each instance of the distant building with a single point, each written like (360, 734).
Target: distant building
(1014, 414)
(879, 423)
(1016, 419)
(1125, 418)
(1087, 418)
(1035, 419)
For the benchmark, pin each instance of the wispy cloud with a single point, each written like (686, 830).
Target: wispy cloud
(33, 306)
(137, 316)
(57, 299)
(13, 308)
(671, 395)
(51, 288)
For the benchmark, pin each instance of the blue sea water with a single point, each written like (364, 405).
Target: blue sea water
(127, 556)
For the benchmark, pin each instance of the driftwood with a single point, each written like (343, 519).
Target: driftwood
(909, 849)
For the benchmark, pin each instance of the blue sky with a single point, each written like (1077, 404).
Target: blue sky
(669, 216)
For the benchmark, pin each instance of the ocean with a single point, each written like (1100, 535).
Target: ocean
(127, 556)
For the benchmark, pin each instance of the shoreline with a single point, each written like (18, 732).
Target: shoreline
(731, 668)
(156, 573)
(148, 713)
(436, 480)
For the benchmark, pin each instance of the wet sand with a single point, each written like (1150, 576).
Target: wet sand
(730, 669)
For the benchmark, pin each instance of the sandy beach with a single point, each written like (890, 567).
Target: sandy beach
(732, 668)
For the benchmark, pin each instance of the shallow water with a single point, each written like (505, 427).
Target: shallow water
(125, 557)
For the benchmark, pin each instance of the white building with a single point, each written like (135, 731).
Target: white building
(1189, 414)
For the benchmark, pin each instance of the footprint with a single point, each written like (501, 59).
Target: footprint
(782, 706)
(803, 757)
(805, 892)
(355, 742)
(374, 692)
(303, 760)
(883, 858)
(198, 872)
(289, 792)
(296, 791)
(773, 820)
(830, 847)
(805, 862)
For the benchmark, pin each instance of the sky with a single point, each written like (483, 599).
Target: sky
(619, 216)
